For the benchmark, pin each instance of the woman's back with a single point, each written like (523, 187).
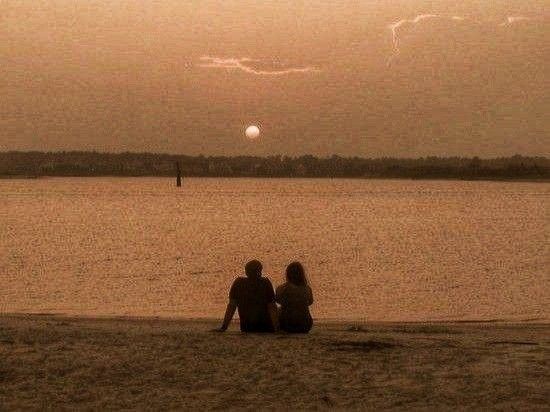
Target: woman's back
(295, 301)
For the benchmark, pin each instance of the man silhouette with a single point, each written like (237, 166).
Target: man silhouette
(254, 298)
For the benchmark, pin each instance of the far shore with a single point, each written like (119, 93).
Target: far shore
(66, 362)
(20, 177)
(438, 178)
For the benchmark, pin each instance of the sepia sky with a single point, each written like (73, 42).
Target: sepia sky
(355, 78)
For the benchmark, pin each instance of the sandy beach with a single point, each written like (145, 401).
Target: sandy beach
(49, 362)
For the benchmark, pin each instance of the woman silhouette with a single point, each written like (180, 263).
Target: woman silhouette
(295, 297)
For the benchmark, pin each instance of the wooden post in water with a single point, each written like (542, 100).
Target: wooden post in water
(178, 176)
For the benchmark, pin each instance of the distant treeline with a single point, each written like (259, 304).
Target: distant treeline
(32, 164)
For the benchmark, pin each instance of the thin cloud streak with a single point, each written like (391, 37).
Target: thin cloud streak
(243, 64)
(396, 26)
(515, 19)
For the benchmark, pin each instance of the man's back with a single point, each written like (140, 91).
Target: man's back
(252, 296)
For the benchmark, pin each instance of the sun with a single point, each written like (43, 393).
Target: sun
(252, 132)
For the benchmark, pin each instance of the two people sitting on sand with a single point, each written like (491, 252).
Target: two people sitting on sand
(256, 301)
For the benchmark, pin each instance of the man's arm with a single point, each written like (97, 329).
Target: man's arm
(229, 312)
(274, 315)
(309, 296)
(271, 305)
(279, 294)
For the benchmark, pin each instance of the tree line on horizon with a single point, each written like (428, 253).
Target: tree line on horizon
(77, 163)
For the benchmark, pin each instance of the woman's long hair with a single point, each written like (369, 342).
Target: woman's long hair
(296, 274)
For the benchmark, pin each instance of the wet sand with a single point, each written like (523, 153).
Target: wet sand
(49, 362)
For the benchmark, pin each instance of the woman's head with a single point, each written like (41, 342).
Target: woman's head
(296, 274)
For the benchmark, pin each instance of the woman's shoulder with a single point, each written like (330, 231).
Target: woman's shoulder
(282, 286)
(293, 289)
(304, 290)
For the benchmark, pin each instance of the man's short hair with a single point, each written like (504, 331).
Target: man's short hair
(253, 268)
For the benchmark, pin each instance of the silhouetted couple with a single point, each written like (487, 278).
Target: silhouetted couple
(254, 298)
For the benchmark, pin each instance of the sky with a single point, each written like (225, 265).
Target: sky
(369, 78)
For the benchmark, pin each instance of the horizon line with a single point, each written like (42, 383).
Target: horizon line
(293, 156)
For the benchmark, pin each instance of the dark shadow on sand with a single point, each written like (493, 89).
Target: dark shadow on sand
(362, 346)
(505, 342)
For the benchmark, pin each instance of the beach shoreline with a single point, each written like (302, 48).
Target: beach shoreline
(319, 322)
(159, 363)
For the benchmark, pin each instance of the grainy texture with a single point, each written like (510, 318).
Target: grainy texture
(79, 363)
(376, 250)
(318, 77)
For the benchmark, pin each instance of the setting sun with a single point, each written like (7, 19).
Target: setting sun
(252, 132)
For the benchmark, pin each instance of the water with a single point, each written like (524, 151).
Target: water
(374, 249)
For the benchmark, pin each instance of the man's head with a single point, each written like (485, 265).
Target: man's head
(253, 269)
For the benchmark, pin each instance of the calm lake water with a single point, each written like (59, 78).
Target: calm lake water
(374, 249)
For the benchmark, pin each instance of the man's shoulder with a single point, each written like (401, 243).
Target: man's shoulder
(267, 280)
(244, 281)
(239, 280)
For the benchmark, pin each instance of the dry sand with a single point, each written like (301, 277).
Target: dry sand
(75, 363)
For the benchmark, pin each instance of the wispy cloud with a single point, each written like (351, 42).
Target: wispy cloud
(515, 19)
(396, 27)
(247, 65)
